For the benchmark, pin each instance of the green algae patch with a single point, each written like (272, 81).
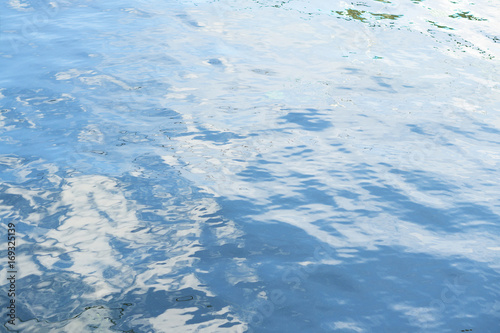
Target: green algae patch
(440, 26)
(386, 16)
(468, 16)
(353, 14)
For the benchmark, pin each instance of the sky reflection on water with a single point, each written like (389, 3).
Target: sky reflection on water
(249, 166)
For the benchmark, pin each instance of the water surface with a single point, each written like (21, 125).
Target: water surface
(252, 166)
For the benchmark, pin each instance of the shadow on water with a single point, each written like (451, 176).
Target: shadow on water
(300, 278)
(309, 119)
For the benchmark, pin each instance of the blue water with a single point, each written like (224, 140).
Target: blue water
(251, 166)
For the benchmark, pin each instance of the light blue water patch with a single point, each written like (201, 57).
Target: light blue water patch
(250, 166)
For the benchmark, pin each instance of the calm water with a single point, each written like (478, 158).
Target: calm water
(251, 166)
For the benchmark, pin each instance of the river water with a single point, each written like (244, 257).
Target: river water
(251, 166)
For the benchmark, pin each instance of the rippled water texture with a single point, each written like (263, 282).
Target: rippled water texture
(251, 166)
